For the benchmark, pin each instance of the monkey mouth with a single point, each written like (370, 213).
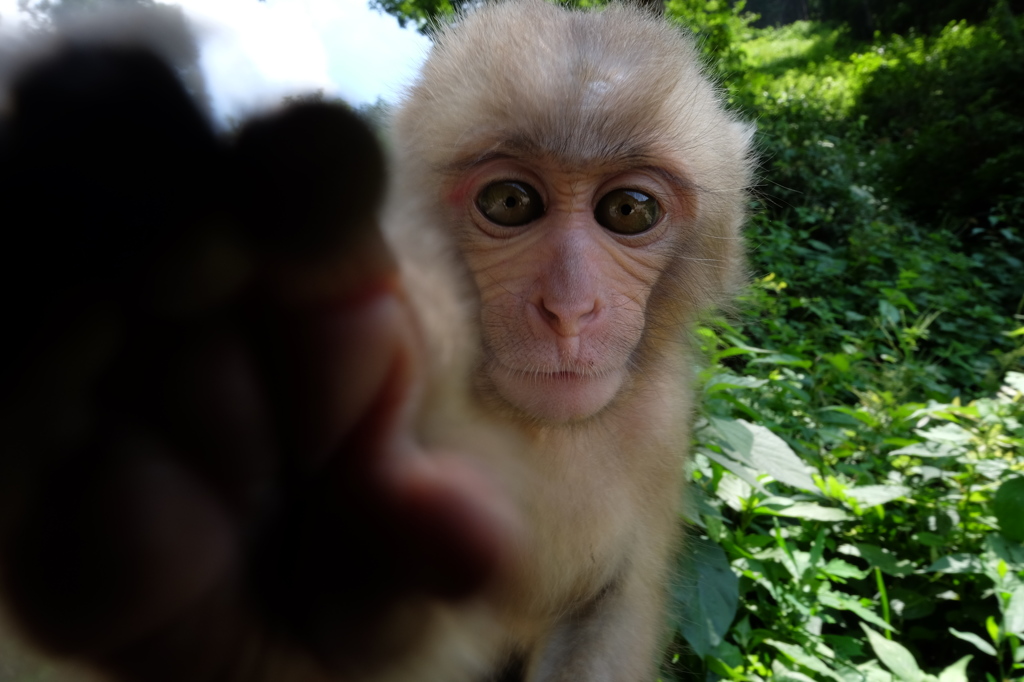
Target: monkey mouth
(564, 394)
(567, 375)
(561, 369)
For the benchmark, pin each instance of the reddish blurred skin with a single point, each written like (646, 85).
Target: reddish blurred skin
(161, 537)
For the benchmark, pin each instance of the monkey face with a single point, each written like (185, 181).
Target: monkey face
(564, 260)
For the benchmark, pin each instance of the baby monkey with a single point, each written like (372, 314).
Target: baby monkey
(249, 436)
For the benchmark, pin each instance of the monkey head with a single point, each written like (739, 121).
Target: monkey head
(591, 190)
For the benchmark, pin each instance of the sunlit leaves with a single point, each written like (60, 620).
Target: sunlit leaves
(884, 352)
(895, 657)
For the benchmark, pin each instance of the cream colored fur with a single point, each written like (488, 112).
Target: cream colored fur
(578, 90)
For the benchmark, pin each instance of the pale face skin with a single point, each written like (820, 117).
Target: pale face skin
(564, 297)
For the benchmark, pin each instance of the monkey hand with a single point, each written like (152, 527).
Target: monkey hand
(208, 467)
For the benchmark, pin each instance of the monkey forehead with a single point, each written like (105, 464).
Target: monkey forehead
(579, 86)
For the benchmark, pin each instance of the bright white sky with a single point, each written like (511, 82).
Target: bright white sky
(256, 52)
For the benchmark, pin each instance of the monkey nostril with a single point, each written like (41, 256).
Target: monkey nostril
(567, 319)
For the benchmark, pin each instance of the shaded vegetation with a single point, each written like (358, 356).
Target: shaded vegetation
(858, 494)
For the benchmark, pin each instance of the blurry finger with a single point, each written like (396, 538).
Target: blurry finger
(113, 545)
(309, 183)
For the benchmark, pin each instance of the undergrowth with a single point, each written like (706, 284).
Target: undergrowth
(857, 505)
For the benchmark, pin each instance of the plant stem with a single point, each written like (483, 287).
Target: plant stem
(884, 596)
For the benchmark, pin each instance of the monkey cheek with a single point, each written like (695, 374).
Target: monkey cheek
(560, 397)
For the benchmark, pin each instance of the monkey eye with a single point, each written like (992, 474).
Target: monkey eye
(627, 211)
(509, 203)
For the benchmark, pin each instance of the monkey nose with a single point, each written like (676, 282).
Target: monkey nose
(568, 318)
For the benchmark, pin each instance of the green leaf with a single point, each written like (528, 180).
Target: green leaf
(885, 560)
(895, 656)
(838, 600)
(889, 313)
(871, 671)
(780, 673)
(1013, 616)
(928, 449)
(1010, 552)
(760, 449)
(993, 630)
(957, 563)
(984, 646)
(706, 597)
(992, 468)
(838, 568)
(931, 539)
(801, 657)
(728, 653)
(1015, 380)
(812, 511)
(817, 550)
(722, 669)
(724, 382)
(874, 495)
(839, 361)
(951, 434)
(782, 359)
(1008, 507)
(744, 473)
(847, 647)
(862, 416)
(974, 639)
(733, 491)
(956, 672)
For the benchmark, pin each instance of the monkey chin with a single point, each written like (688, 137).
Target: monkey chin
(557, 397)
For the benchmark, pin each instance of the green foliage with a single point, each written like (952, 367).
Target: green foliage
(422, 14)
(1008, 507)
(719, 26)
(860, 456)
(426, 15)
(955, 104)
(899, 16)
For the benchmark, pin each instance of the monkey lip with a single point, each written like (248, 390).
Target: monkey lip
(566, 375)
(576, 374)
(560, 395)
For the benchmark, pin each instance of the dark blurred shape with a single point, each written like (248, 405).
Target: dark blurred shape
(129, 155)
(107, 164)
(148, 393)
(303, 174)
(206, 470)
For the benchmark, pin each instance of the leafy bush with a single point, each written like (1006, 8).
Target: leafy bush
(955, 105)
(856, 510)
